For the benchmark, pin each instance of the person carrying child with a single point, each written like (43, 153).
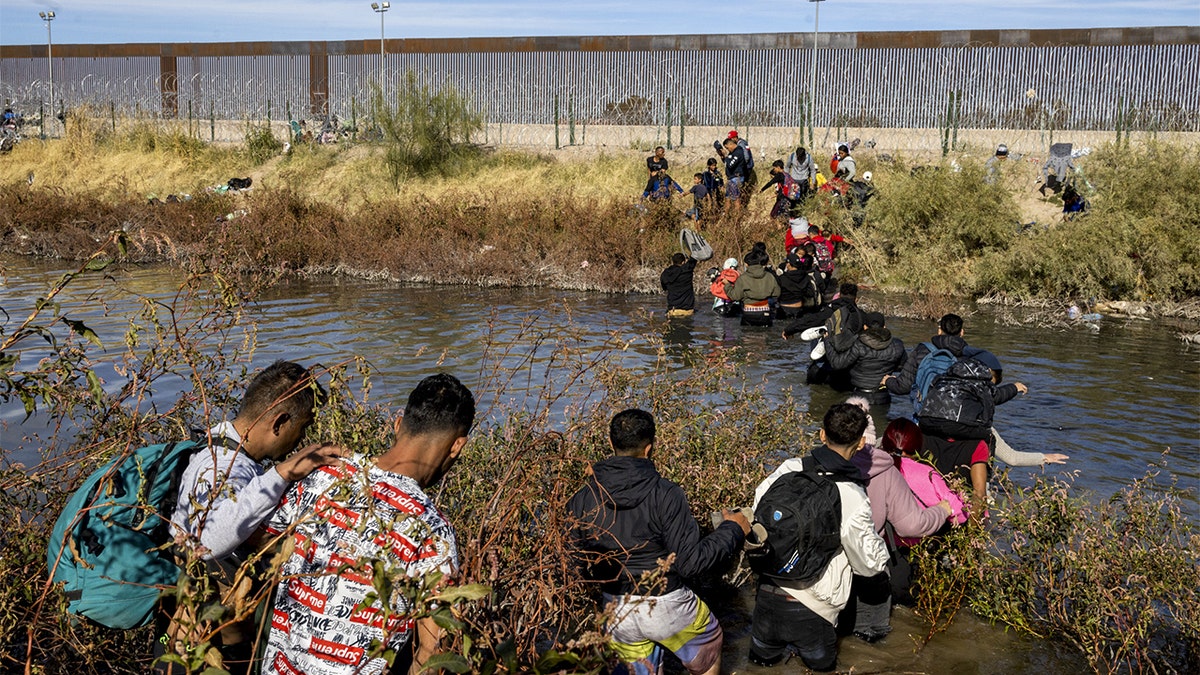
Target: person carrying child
(722, 305)
(755, 288)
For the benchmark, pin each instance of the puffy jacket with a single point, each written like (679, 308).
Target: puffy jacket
(892, 501)
(863, 551)
(874, 354)
(717, 287)
(966, 396)
(628, 517)
(904, 382)
(677, 281)
(756, 284)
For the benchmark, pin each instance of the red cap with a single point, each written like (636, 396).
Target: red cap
(733, 134)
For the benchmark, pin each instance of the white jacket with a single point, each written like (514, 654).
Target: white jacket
(863, 550)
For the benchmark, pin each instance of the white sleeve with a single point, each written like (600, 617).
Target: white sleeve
(865, 549)
(225, 519)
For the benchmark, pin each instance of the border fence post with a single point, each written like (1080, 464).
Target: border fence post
(556, 143)
(669, 123)
(212, 121)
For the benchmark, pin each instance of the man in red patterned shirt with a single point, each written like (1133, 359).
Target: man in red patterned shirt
(354, 523)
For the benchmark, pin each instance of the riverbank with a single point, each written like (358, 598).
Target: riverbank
(568, 220)
(548, 369)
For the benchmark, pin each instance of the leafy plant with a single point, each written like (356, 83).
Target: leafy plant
(426, 132)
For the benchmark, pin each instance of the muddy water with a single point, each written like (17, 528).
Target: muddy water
(1115, 397)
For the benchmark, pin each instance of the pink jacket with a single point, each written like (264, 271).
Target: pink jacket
(892, 500)
(930, 488)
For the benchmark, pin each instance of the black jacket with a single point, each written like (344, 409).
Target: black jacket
(797, 286)
(852, 318)
(966, 397)
(904, 382)
(874, 354)
(676, 280)
(627, 517)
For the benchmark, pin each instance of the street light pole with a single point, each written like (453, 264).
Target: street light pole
(380, 8)
(812, 85)
(48, 17)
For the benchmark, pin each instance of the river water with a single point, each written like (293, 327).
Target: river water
(1114, 398)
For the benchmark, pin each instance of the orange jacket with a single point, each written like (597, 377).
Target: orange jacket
(718, 286)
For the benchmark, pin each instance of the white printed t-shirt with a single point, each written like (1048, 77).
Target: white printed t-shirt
(350, 520)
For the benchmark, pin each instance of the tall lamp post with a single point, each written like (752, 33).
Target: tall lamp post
(48, 17)
(812, 85)
(380, 8)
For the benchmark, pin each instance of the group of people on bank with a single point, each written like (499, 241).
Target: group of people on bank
(730, 180)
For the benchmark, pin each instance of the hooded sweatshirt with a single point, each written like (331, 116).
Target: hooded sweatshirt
(627, 517)
(677, 281)
(756, 284)
(863, 551)
(891, 498)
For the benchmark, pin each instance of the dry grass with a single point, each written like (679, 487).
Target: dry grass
(567, 219)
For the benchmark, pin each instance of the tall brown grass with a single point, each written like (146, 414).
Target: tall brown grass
(521, 218)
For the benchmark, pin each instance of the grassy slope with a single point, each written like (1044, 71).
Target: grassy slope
(565, 219)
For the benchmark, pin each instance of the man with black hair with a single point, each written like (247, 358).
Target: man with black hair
(628, 520)
(800, 618)
(226, 492)
(949, 337)
(366, 519)
(846, 303)
(736, 172)
(677, 281)
(802, 170)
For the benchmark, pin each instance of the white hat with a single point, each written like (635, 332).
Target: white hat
(730, 263)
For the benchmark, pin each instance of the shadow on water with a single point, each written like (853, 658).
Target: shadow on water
(1113, 399)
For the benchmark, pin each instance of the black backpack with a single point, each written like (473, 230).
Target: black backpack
(802, 513)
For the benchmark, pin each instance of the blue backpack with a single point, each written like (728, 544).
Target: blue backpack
(934, 365)
(108, 547)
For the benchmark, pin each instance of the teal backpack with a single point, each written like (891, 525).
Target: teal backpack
(934, 365)
(107, 546)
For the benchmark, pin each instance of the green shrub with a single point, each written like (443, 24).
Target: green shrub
(1138, 241)
(1118, 579)
(426, 132)
(261, 144)
(928, 225)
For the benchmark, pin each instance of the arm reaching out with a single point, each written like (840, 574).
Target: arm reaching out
(309, 459)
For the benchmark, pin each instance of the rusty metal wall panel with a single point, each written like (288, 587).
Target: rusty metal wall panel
(1075, 86)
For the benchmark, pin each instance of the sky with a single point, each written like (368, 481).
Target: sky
(119, 21)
